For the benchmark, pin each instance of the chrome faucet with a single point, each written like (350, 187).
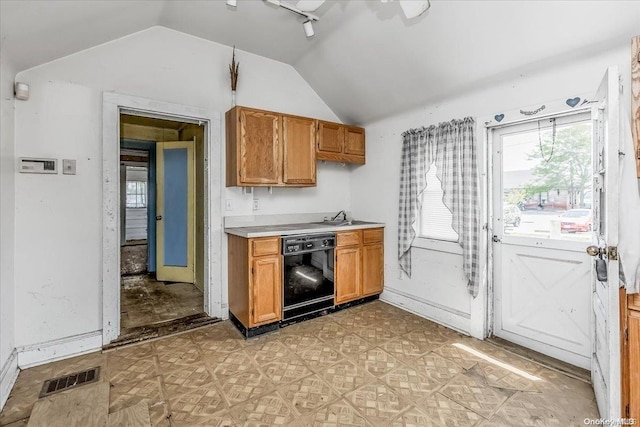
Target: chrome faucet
(344, 216)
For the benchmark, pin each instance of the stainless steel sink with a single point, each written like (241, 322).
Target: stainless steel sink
(342, 223)
(336, 223)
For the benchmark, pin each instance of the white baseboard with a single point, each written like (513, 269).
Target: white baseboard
(8, 377)
(50, 351)
(450, 318)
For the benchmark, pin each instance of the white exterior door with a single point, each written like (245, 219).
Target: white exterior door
(605, 364)
(541, 224)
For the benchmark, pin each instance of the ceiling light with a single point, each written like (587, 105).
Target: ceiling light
(310, 17)
(413, 9)
(308, 28)
(232, 3)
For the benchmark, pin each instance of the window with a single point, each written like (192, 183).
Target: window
(435, 218)
(136, 194)
(136, 186)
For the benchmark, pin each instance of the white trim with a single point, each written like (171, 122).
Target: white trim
(8, 377)
(447, 316)
(50, 351)
(550, 115)
(113, 104)
(446, 246)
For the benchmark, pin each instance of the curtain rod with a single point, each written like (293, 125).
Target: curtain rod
(563, 113)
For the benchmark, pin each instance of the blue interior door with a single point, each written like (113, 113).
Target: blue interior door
(175, 216)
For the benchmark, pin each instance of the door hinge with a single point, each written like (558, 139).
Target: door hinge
(627, 411)
(626, 334)
(612, 253)
(251, 270)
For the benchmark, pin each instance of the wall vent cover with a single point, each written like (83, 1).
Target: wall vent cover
(67, 382)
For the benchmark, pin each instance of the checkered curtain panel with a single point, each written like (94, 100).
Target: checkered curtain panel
(451, 146)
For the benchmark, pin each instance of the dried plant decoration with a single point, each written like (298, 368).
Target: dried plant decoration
(233, 70)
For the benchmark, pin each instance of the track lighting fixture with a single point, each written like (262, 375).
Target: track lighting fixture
(308, 28)
(310, 17)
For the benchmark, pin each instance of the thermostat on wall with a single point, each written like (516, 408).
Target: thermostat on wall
(34, 165)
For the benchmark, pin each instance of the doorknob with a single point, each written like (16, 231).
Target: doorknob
(159, 217)
(593, 250)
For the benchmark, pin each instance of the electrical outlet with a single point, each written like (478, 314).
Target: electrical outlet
(229, 204)
(256, 204)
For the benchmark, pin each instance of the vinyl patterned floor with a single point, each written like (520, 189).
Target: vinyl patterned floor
(145, 301)
(371, 365)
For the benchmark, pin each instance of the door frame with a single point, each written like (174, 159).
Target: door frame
(113, 105)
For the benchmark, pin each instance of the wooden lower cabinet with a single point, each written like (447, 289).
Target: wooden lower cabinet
(255, 280)
(359, 264)
(265, 282)
(634, 364)
(372, 269)
(348, 273)
(630, 348)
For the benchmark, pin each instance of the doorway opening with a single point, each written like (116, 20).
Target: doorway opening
(162, 223)
(542, 222)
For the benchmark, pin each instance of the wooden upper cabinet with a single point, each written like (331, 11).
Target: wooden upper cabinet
(331, 137)
(340, 143)
(299, 136)
(267, 149)
(259, 147)
(354, 141)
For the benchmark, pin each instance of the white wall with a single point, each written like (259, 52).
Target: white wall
(60, 291)
(7, 223)
(437, 288)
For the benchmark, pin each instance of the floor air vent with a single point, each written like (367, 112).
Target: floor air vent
(70, 381)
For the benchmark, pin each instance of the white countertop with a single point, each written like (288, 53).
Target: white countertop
(302, 228)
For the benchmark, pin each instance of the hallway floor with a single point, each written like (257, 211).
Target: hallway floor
(145, 301)
(371, 365)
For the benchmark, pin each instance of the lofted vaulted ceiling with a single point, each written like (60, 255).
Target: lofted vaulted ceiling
(366, 60)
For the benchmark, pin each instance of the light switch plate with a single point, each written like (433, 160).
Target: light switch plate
(68, 167)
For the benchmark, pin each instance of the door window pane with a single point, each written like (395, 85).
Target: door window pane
(546, 182)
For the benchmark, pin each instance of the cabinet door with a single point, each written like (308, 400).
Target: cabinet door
(259, 147)
(330, 137)
(372, 269)
(348, 273)
(634, 364)
(299, 136)
(354, 141)
(266, 290)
